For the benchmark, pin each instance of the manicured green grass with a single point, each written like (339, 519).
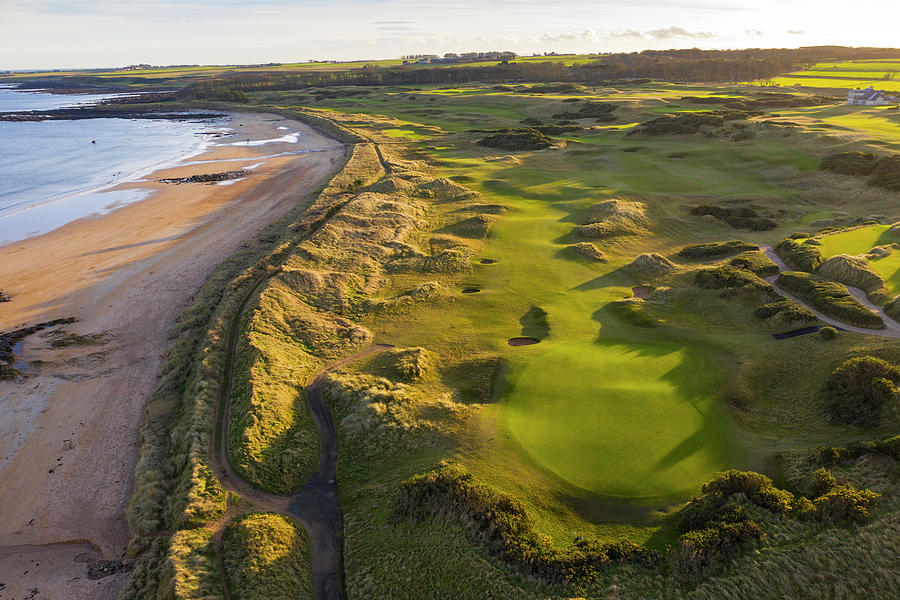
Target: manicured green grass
(634, 419)
(862, 239)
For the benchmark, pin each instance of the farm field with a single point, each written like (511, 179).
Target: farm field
(850, 74)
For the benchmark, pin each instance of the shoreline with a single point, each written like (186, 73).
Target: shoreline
(69, 443)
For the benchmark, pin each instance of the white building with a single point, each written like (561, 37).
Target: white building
(870, 97)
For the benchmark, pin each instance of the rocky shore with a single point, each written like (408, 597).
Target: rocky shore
(207, 177)
(103, 112)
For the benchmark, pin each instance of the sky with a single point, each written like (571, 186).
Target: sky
(41, 34)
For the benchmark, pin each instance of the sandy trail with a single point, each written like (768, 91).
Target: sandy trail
(68, 434)
(891, 327)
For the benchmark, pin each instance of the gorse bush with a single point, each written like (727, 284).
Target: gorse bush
(502, 523)
(716, 249)
(800, 256)
(516, 139)
(850, 163)
(856, 391)
(830, 298)
(727, 276)
(738, 217)
(755, 262)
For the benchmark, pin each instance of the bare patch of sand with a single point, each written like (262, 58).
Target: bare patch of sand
(68, 434)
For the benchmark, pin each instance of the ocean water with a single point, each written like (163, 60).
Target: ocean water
(52, 172)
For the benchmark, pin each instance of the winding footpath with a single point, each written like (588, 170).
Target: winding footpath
(891, 327)
(316, 506)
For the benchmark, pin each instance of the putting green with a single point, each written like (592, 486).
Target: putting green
(619, 418)
(860, 241)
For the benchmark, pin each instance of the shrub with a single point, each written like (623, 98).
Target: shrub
(828, 333)
(830, 298)
(797, 255)
(505, 527)
(727, 276)
(738, 217)
(892, 308)
(699, 549)
(850, 163)
(845, 503)
(716, 249)
(856, 391)
(601, 111)
(886, 173)
(755, 262)
(516, 139)
(680, 124)
(785, 313)
(821, 482)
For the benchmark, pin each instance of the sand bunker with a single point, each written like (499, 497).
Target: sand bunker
(488, 261)
(523, 341)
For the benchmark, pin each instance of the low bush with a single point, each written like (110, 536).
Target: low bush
(504, 526)
(727, 276)
(716, 249)
(755, 262)
(850, 163)
(800, 256)
(785, 313)
(601, 111)
(685, 123)
(703, 548)
(886, 173)
(892, 308)
(857, 390)
(845, 503)
(830, 298)
(828, 333)
(738, 217)
(516, 139)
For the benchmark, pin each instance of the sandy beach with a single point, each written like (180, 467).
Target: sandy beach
(68, 433)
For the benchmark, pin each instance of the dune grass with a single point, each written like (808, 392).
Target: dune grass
(267, 556)
(860, 241)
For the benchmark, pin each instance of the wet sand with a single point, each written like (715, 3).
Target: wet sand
(68, 434)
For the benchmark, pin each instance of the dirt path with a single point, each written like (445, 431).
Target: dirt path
(891, 327)
(68, 434)
(316, 506)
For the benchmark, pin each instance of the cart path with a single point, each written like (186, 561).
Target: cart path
(891, 327)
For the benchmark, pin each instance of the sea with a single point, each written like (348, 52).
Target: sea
(54, 172)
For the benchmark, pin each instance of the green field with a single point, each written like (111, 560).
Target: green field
(851, 74)
(860, 241)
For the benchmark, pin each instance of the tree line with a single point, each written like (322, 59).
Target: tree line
(690, 65)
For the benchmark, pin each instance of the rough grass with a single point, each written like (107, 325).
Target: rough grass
(612, 218)
(829, 298)
(267, 556)
(716, 249)
(854, 271)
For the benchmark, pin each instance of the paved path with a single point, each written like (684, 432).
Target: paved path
(891, 327)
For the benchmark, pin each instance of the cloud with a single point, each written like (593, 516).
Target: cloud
(796, 31)
(678, 32)
(627, 34)
(753, 32)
